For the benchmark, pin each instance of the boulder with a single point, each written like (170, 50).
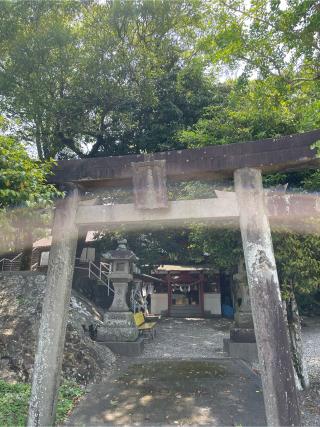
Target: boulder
(21, 295)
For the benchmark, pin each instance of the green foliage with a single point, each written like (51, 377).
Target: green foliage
(265, 37)
(312, 181)
(23, 180)
(251, 110)
(69, 394)
(14, 401)
(86, 78)
(274, 48)
(163, 246)
(193, 245)
(298, 261)
(23, 189)
(222, 247)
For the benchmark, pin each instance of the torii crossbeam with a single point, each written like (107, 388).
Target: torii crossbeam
(292, 152)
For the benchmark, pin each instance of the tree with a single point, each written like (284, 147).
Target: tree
(88, 79)
(245, 110)
(24, 197)
(268, 37)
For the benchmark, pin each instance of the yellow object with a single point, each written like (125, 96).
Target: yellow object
(139, 318)
(142, 325)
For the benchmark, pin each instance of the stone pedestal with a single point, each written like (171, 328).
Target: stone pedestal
(118, 327)
(118, 322)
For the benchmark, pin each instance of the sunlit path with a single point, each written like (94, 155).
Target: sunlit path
(163, 392)
(182, 378)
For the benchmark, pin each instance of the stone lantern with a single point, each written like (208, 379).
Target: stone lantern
(242, 342)
(118, 323)
(122, 268)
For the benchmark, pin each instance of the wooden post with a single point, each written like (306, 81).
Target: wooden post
(48, 360)
(277, 373)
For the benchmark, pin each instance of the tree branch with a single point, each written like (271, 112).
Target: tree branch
(69, 142)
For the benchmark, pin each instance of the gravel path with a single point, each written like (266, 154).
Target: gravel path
(188, 338)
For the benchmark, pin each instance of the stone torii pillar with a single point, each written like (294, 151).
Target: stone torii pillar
(51, 337)
(279, 391)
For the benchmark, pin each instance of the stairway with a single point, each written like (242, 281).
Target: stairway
(186, 311)
(11, 264)
(101, 273)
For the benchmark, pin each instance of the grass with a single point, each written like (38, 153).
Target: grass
(14, 401)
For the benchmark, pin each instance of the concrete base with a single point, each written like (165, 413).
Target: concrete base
(126, 348)
(243, 350)
(245, 335)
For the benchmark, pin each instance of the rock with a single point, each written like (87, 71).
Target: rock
(21, 295)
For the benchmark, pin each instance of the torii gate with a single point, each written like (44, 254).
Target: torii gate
(245, 162)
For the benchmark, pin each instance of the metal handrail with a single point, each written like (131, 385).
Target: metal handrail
(11, 261)
(34, 266)
(100, 273)
(137, 301)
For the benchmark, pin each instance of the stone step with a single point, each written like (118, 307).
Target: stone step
(185, 307)
(185, 311)
(181, 314)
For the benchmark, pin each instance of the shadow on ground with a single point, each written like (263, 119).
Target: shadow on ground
(211, 392)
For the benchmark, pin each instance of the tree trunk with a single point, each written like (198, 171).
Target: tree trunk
(294, 328)
(38, 142)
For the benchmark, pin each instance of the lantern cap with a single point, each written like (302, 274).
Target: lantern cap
(121, 253)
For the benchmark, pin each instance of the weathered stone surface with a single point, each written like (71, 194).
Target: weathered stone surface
(149, 184)
(21, 295)
(243, 314)
(118, 326)
(280, 395)
(243, 319)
